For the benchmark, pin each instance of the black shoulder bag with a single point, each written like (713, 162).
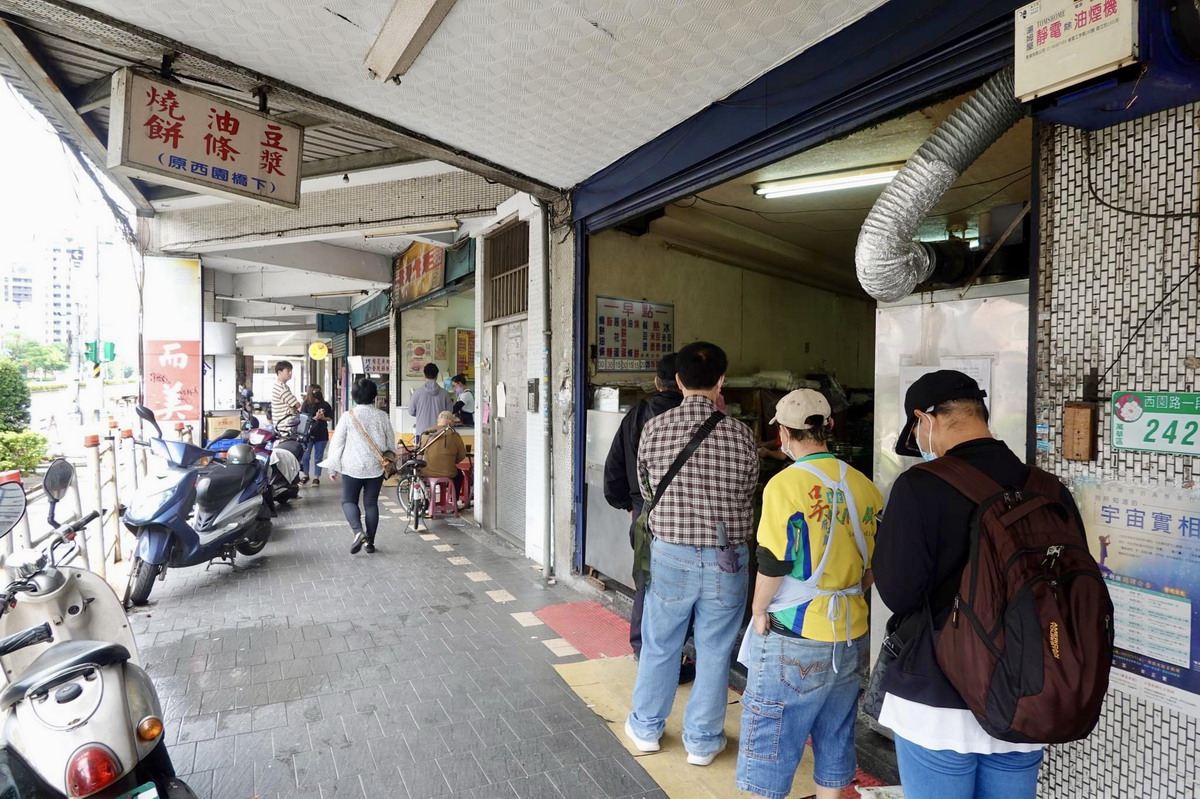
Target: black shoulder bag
(641, 528)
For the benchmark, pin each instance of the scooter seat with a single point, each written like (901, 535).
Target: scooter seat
(59, 658)
(215, 488)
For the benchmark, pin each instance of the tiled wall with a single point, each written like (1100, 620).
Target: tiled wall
(1102, 272)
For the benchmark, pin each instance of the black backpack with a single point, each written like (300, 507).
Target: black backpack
(1029, 640)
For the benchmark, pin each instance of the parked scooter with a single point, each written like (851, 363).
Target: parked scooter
(81, 717)
(199, 509)
(283, 459)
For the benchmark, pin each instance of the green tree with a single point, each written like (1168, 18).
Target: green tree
(14, 397)
(33, 357)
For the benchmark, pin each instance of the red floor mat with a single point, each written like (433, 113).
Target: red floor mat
(589, 627)
(864, 779)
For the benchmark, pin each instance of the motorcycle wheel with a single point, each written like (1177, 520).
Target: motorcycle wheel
(253, 546)
(141, 581)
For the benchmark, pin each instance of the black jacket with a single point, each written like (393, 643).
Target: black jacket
(921, 548)
(621, 488)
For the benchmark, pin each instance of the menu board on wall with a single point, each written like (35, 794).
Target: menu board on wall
(1146, 539)
(417, 353)
(632, 335)
(464, 352)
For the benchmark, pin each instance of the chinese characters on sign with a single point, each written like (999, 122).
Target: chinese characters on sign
(172, 345)
(168, 133)
(420, 270)
(1147, 542)
(632, 335)
(464, 352)
(1156, 422)
(173, 380)
(1062, 42)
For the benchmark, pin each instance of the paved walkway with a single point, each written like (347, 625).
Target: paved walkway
(314, 673)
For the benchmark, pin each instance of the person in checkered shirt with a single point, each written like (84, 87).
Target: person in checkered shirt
(698, 558)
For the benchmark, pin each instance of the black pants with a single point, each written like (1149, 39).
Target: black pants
(369, 488)
(639, 593)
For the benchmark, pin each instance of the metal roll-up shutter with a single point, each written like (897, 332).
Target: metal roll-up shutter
(339, 345)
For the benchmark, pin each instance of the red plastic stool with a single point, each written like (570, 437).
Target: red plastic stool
(442, 499)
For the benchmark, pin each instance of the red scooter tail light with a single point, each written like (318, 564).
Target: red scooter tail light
(92, 768)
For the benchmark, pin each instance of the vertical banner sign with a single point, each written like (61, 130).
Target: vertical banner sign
(464, 353)
(1156, 422)
(420, 270)
(172, 332)
(1146, 539)
(167, 133)
(631, 335)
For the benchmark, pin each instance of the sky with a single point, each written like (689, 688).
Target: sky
(45, 195)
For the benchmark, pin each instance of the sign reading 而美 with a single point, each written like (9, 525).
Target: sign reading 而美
(171, 134)
(1157, 422)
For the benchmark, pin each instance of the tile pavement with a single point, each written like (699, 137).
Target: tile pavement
(313, 673)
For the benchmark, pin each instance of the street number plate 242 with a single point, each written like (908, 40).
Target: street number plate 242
(1156, 422)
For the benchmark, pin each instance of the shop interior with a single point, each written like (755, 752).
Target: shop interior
(763, 265)
(440, 331)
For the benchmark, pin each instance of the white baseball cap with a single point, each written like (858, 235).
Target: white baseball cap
(795, 409)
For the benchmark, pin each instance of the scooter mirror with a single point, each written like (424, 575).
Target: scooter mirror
(147, 415)
(58, 479)
(12, 506)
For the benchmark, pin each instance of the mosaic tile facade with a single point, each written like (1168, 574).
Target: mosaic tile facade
(1103, 270)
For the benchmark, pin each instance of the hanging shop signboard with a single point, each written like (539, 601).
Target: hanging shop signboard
(1147, 541)
(167, 133)
(172, 347)
(1064, 42)
(420, 270)
(632, 335)
(1156, 422)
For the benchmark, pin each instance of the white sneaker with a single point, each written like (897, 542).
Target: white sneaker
(705, 760)
(641, 744)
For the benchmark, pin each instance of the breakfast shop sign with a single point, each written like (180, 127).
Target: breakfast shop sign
(167, 133)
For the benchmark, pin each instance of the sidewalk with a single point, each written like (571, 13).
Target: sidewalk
(407, 673)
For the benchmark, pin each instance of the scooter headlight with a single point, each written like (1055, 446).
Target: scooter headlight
(147, 503)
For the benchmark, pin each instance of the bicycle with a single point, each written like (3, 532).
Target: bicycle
(411, 491)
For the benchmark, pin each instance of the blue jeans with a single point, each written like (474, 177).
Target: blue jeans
(684, 580)
(792, 692)
(929, 774)
(315, 449)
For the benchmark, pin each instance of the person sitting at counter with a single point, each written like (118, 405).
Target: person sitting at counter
(442, 451)
(621, 487)
(464, 405)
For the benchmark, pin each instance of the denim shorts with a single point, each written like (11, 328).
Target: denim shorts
(792, 693)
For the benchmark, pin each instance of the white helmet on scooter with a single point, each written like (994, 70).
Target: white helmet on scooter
(240, 454)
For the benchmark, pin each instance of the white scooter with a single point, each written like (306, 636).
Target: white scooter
(81, 718)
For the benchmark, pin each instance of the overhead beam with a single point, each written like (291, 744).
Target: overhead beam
(92, 95)
(313, 257)
(252, 329)
(96, 26)
(373, 159)
(34, 74)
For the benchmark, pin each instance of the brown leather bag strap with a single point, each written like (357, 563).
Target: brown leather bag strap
(382, 460)
(968, 480)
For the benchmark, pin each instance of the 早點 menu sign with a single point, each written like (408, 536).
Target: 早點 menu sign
(171, 134)
(1147, 541)
(632, 335)
(1157, 422)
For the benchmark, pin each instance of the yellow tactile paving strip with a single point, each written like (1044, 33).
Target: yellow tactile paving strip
(607, 685)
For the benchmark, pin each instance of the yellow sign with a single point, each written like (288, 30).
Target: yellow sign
(420, 270)
(318, 350)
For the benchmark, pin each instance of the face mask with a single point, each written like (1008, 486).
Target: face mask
(459, 389)
(926, 454)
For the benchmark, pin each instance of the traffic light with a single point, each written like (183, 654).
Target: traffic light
(109, 351)
(89, 352)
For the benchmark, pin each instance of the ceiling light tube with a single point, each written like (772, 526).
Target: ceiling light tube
(417, 229)
(405, 32)
(829, 181)
(342, 293)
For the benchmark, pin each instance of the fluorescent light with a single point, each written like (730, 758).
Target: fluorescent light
(412, 230)
(342, 293)
(828, 181)
(406, 31)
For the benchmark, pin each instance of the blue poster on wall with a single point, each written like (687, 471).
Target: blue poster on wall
(1147, 541)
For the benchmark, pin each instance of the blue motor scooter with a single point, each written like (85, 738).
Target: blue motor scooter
(197, 510)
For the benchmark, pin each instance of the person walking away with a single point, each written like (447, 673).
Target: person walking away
(355, 453)
(427, 402)
(318, 434)
(283, 402)
(464, 404)
(924, 544)
(443, 450)
(700, 522)
(622, 486)
(806, 647)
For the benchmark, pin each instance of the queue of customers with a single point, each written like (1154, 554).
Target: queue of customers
(690, 472)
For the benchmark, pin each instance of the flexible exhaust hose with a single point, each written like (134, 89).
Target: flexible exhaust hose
(889, 263)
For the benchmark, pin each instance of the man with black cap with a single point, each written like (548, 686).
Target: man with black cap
(921, 550)
(622, 489)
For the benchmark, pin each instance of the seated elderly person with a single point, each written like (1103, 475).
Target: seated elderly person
(442, 449)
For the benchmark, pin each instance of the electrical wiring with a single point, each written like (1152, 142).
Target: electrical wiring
(1089, 179)
(1132, 336)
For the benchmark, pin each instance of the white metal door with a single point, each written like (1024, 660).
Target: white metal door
(507, 437)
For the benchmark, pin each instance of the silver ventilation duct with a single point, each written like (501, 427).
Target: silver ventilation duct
(889, 263)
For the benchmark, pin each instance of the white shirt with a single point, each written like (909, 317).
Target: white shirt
(349, 452)
(468, 401)
(943, 728)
